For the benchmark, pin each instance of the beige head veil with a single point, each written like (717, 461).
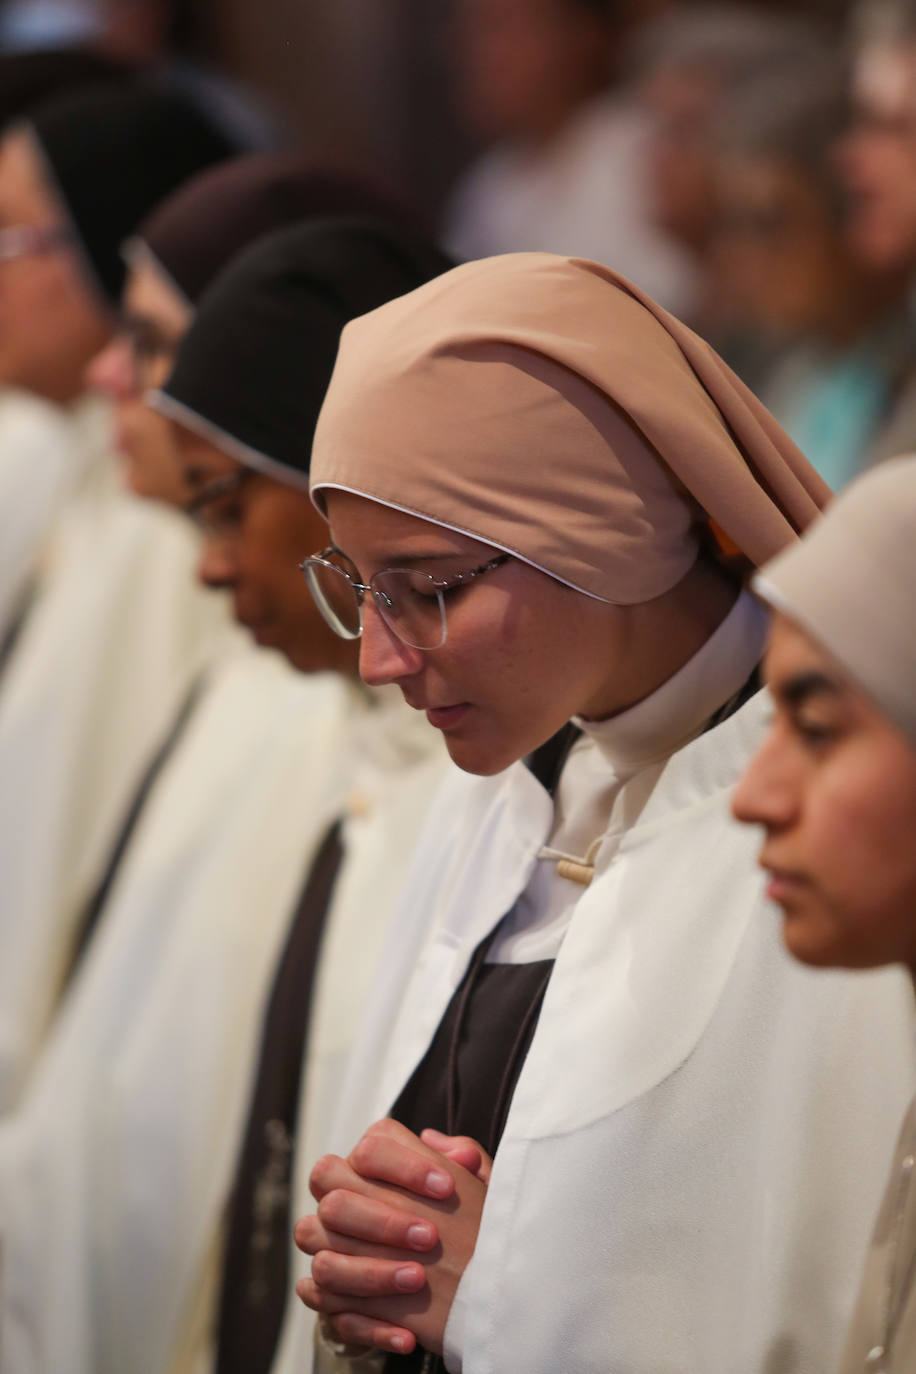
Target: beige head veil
(545, 406)
(851, 585)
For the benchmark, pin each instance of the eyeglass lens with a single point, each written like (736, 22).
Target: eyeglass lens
(408, 602)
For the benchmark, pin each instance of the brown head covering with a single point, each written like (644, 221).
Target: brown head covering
(201, 227)
(851, 585)
(547, 407)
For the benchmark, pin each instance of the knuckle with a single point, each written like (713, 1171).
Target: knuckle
(364, 1153)
(386, 1127)
(305, 1232)
(309, 1294)
(323, 1267)
(332, 1207)
(320, 1177)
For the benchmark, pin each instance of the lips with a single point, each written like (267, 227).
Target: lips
(783, 884)
(446, 717)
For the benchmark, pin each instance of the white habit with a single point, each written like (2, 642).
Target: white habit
(115, 1173)
(116, 637)
(694, 1106)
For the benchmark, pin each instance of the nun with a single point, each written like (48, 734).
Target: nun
(37, 466)
(116, 633)
(144, 1184)
(833, 786)
(540, 488)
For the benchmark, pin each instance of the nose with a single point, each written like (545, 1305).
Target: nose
(767, 793)
(383, 658)
(110, 371)
(216, 566)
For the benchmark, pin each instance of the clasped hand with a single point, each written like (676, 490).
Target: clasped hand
(395, 1228)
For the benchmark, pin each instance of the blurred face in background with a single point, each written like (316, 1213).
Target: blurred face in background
(256, 532)
(834, 787)
(523, 66)
(877, 158)
(155, 317)
(681, 172)
(52, 319)
(778, 250)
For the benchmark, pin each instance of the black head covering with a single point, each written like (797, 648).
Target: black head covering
(203, 225)
(115, 152)
(30, 78)
(253, 369)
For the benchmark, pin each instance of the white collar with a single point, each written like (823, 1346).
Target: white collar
(678, 710)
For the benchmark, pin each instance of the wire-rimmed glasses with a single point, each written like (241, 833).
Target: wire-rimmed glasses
(411, 603)
(214, 509)
(32, 240)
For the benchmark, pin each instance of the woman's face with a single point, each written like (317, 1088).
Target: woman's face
(256, 534)
(834, 788)
(522, 653)
(138, 358)
(52, 321)
(877, 159)
(778, 251)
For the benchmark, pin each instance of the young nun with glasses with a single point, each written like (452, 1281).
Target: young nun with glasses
(618, 1114)
(833, 785)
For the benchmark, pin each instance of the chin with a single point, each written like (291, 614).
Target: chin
(820, 943)
(473, 757)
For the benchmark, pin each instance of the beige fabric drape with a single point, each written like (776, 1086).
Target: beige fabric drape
(548, 407)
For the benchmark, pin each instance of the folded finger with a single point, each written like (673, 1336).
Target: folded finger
(364, 1218)
(358, 1330)
(355, 1276)
(387, 1160)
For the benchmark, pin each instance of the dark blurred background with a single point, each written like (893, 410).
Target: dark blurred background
(752, 166)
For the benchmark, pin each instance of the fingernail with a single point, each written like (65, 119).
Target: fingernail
(406, 1279)
(401, 1343)
(437, 1183)
(420, 1236)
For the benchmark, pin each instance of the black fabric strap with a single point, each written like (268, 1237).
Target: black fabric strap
(97, 902)
(256, 1265)
(465, 1082)
(547, 761)
(16, 623)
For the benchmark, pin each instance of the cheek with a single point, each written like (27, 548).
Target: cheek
(866, 872)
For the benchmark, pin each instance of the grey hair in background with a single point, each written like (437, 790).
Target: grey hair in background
(793, 112)
(732, 43)
(883, 21)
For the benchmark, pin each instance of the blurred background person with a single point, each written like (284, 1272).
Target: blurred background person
(877, 162)
(37, 435)
(170, 37)
(833, 788)
(834, 330)
(691, 63)
(565, 168)
(116, 634)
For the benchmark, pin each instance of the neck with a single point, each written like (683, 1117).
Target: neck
(664, 634)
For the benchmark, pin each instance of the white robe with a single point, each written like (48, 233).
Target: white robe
(694, 1149)
(403, 769)
(44, 453)
(110, 648)
(116, 1172)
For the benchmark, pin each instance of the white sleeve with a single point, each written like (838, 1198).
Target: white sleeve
(453, 1353)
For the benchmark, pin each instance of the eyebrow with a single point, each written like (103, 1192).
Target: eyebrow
(800, 687)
